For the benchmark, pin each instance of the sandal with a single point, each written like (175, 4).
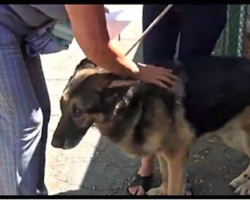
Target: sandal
(143, 181)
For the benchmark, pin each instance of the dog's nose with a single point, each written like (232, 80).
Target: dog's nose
(57, 142)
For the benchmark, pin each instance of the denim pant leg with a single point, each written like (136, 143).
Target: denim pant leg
(37, 78)
(201, 27)
(21, 120)
(160, 44)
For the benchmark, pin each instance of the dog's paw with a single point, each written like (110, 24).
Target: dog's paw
(156, 191)
(244, 189)
(241, 184)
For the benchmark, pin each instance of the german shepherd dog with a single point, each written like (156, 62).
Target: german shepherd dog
(212, 96)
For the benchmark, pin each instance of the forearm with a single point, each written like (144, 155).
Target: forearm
(90, 30)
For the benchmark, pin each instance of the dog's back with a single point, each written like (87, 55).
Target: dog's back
(217, 89)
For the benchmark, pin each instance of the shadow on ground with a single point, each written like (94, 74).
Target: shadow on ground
(211, 167)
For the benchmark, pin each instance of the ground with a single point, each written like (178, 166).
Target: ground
(97, 167)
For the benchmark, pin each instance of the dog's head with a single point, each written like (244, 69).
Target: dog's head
(88, 98)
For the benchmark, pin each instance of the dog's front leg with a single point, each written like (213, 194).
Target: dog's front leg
(163, 189)
(177, 175)
(164, 172)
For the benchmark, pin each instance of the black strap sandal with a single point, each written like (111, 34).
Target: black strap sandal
(143, 181)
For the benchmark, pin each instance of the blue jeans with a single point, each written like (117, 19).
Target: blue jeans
(199, 26)
(24, 117)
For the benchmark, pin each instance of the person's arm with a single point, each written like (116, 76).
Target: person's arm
(90, 30)
(89, 27)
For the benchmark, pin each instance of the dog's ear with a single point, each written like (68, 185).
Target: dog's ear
(179, 88)
(99, 81)
(109, 80)
(86, 64)
(122, 83)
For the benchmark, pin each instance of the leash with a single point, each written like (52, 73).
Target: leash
(157, 19)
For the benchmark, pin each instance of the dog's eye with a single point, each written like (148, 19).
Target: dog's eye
(77, 112)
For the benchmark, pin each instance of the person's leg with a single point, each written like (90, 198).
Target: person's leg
(145, 172)
(160, 43)
(158, 47)
(21, 122)
(201, 26)
(37, 78)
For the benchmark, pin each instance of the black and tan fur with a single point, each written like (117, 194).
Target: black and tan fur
(144, 119)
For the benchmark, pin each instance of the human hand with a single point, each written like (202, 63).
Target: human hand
(156, 75)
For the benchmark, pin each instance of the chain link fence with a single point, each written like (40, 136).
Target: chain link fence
(235, 38)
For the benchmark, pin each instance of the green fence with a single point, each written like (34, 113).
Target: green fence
(233, 39)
